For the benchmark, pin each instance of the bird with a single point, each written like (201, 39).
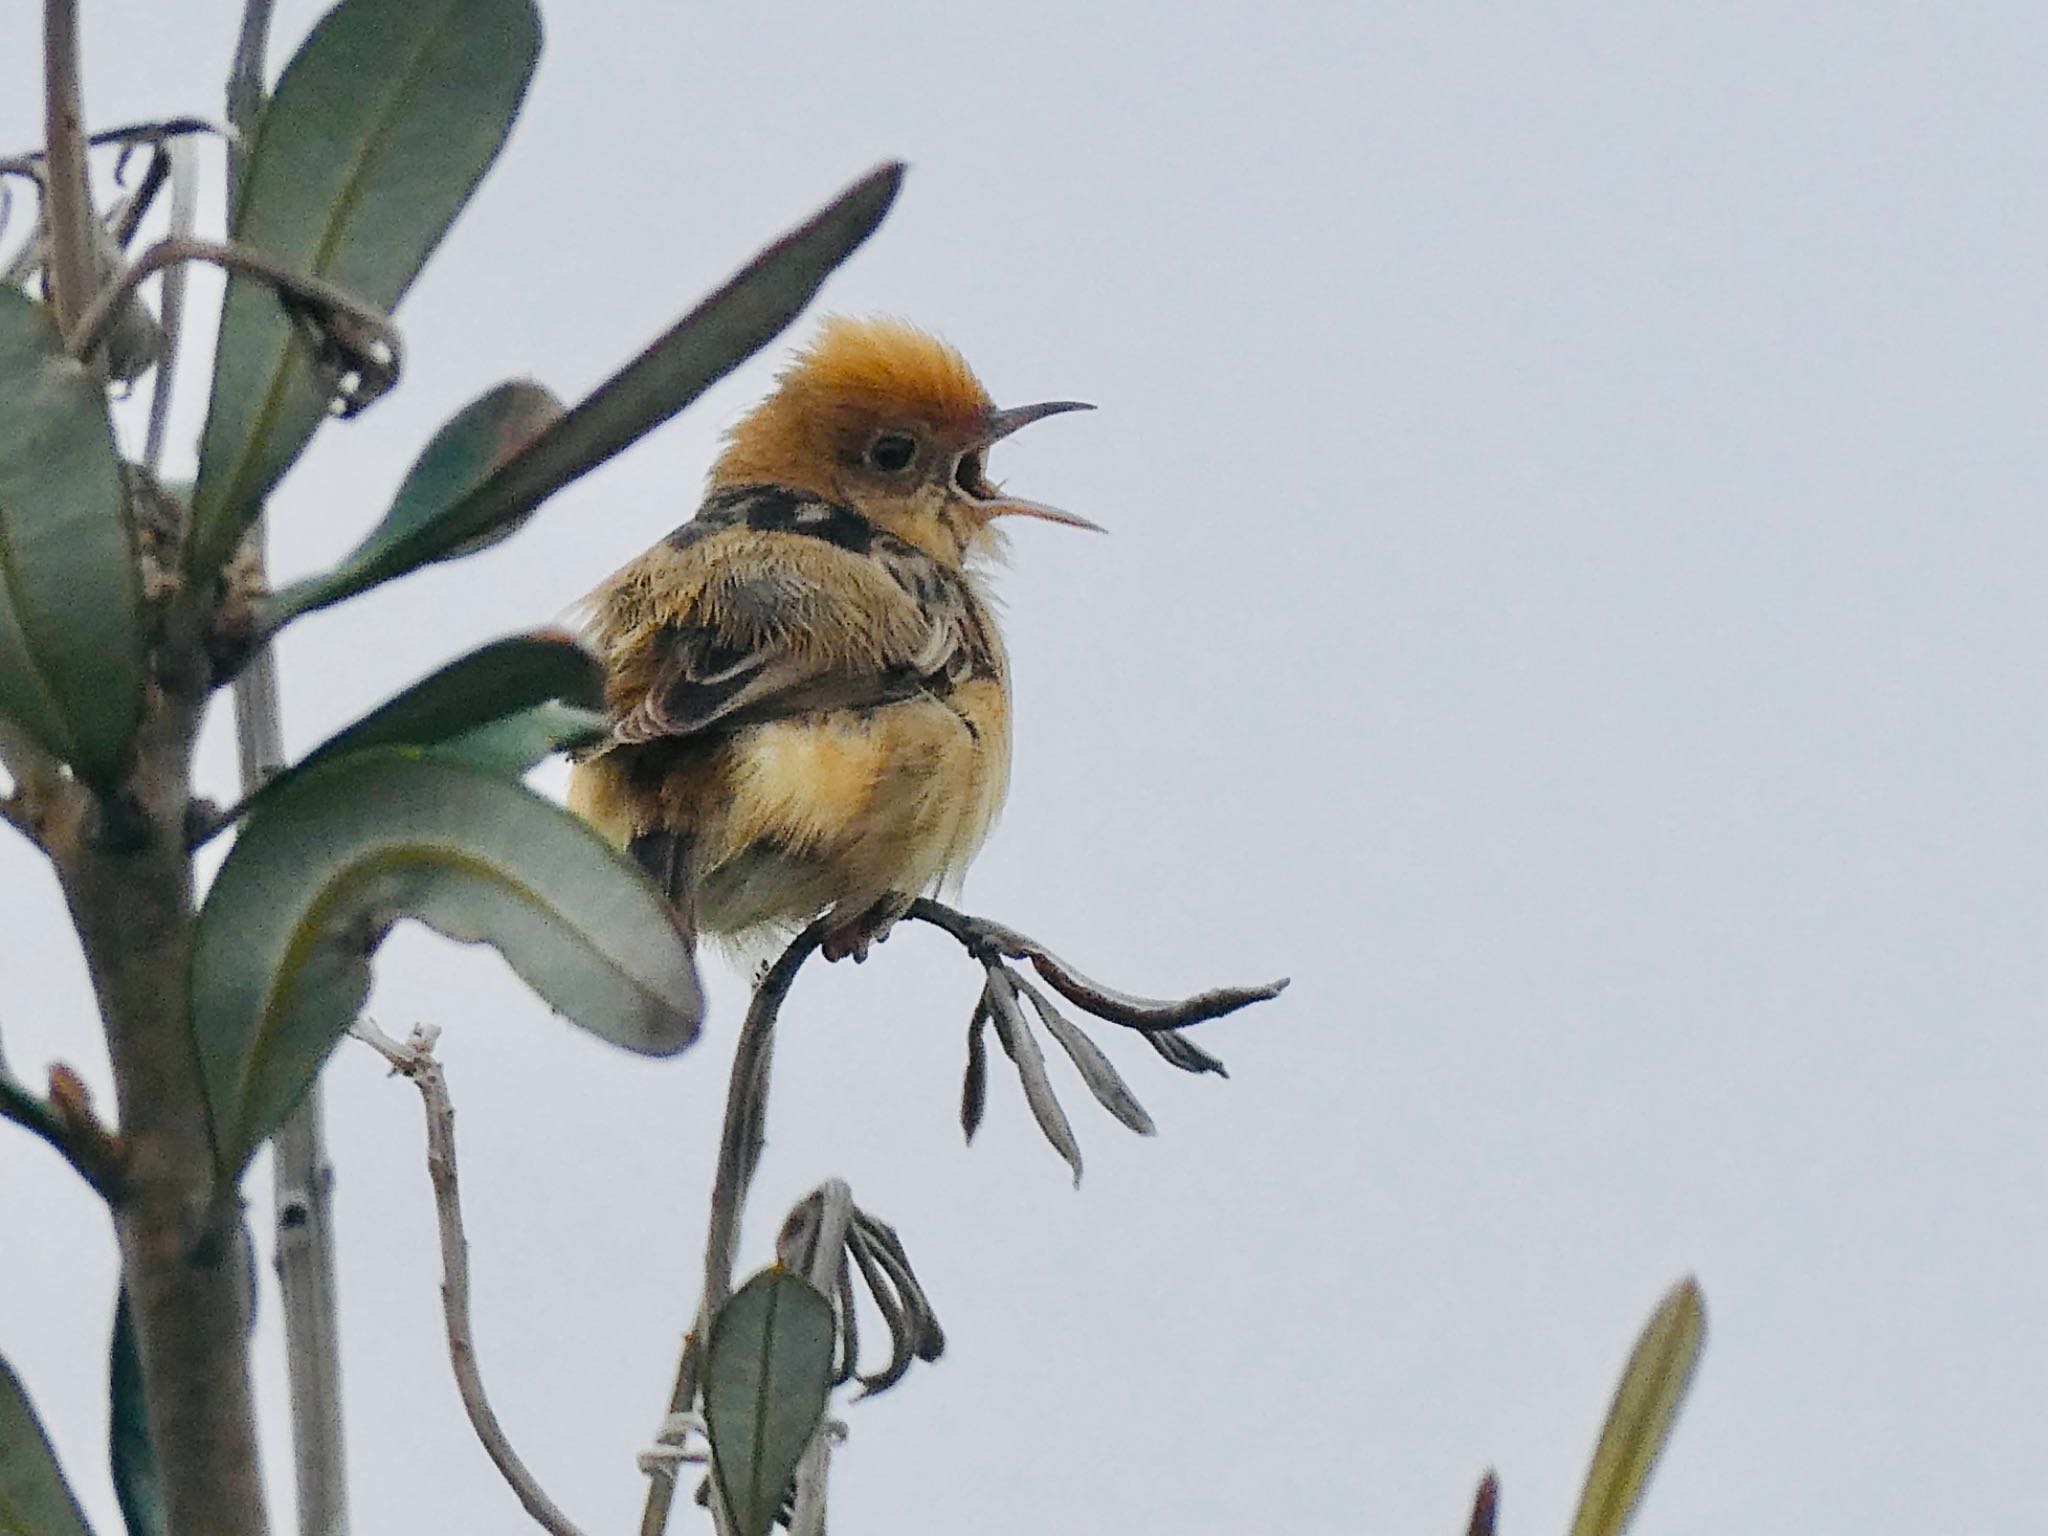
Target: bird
(807, 693)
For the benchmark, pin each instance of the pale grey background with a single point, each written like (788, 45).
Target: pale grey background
(1575, 601)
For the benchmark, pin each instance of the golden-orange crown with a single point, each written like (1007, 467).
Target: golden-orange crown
(892, 365)
(855, 376)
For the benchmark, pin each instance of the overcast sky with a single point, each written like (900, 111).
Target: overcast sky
(1575, 601)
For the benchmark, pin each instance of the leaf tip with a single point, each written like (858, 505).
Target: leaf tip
(1485, 1506)
(874, 194)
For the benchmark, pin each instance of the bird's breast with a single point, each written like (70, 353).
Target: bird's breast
(892, 798)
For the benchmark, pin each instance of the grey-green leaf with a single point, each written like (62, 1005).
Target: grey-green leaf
(330, 861)
(132, 1456)
(491, 685)
(70, 592)
(479, 438)
(34, 1498)
(1646, 1404)
(379, 131)
(767, 1374)
(504, 708)
(1014, 1032)
(517, 744)
(1096, 1069)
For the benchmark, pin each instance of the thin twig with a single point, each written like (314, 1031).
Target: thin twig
(129, 136)
(68, 214)
(739, 1153)
(246, 96)
(374, 352)
(990, 943)
(746, 1111)
(414, 1059)
(827, 1273)
(984, 938)
(184, 163)
(126, 216)
(303, 1177)
(84, 1143)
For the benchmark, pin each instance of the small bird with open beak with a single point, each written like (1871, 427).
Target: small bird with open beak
(810, 699)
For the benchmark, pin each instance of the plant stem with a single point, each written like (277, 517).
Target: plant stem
(67, 213)
(301, 1176)
(246, 94)
(38, 1118)
(122, 861)
(415, 1059)
(835, 1216)
(739, 1152)
(128, 879)
(184, 219)
(302, 1197)
(102, 315)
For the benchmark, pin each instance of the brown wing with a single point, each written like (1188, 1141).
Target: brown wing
(735, 621)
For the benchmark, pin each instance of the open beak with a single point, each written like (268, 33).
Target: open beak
(1000, 425)
(1016, 506)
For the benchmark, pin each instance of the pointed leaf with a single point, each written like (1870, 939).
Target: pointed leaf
(328, 863)
(34, 1498)
(1182, 1052)
(1014, 1032)
(706, 344)
(128, 1444)
(1485, 1507)
(1096, 1069)
(517, 744)
(495, 709)
(380, 129)
(491, 684)
(974, 1084)
(1645, 1406)
(70, 592)
(767, 1374)
(478, 439)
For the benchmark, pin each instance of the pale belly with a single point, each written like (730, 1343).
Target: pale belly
(837, 811)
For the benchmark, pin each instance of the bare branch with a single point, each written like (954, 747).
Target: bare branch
(984, 939)
(184, 219)
(827, 1273)
(68, 214)
(414, 1059)
(739, 1154)
(303, 1177)
(246, 95)
(65, 1120)
(746, 1113)
(873, 1246)
(129, 136)
(302, 1205)
(354, 340)
(1157, 1022)
(126, 216)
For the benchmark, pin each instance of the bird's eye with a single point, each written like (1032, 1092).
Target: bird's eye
(967, 474)
(892, 451)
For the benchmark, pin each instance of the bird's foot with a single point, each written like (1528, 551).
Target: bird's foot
(854, 938)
